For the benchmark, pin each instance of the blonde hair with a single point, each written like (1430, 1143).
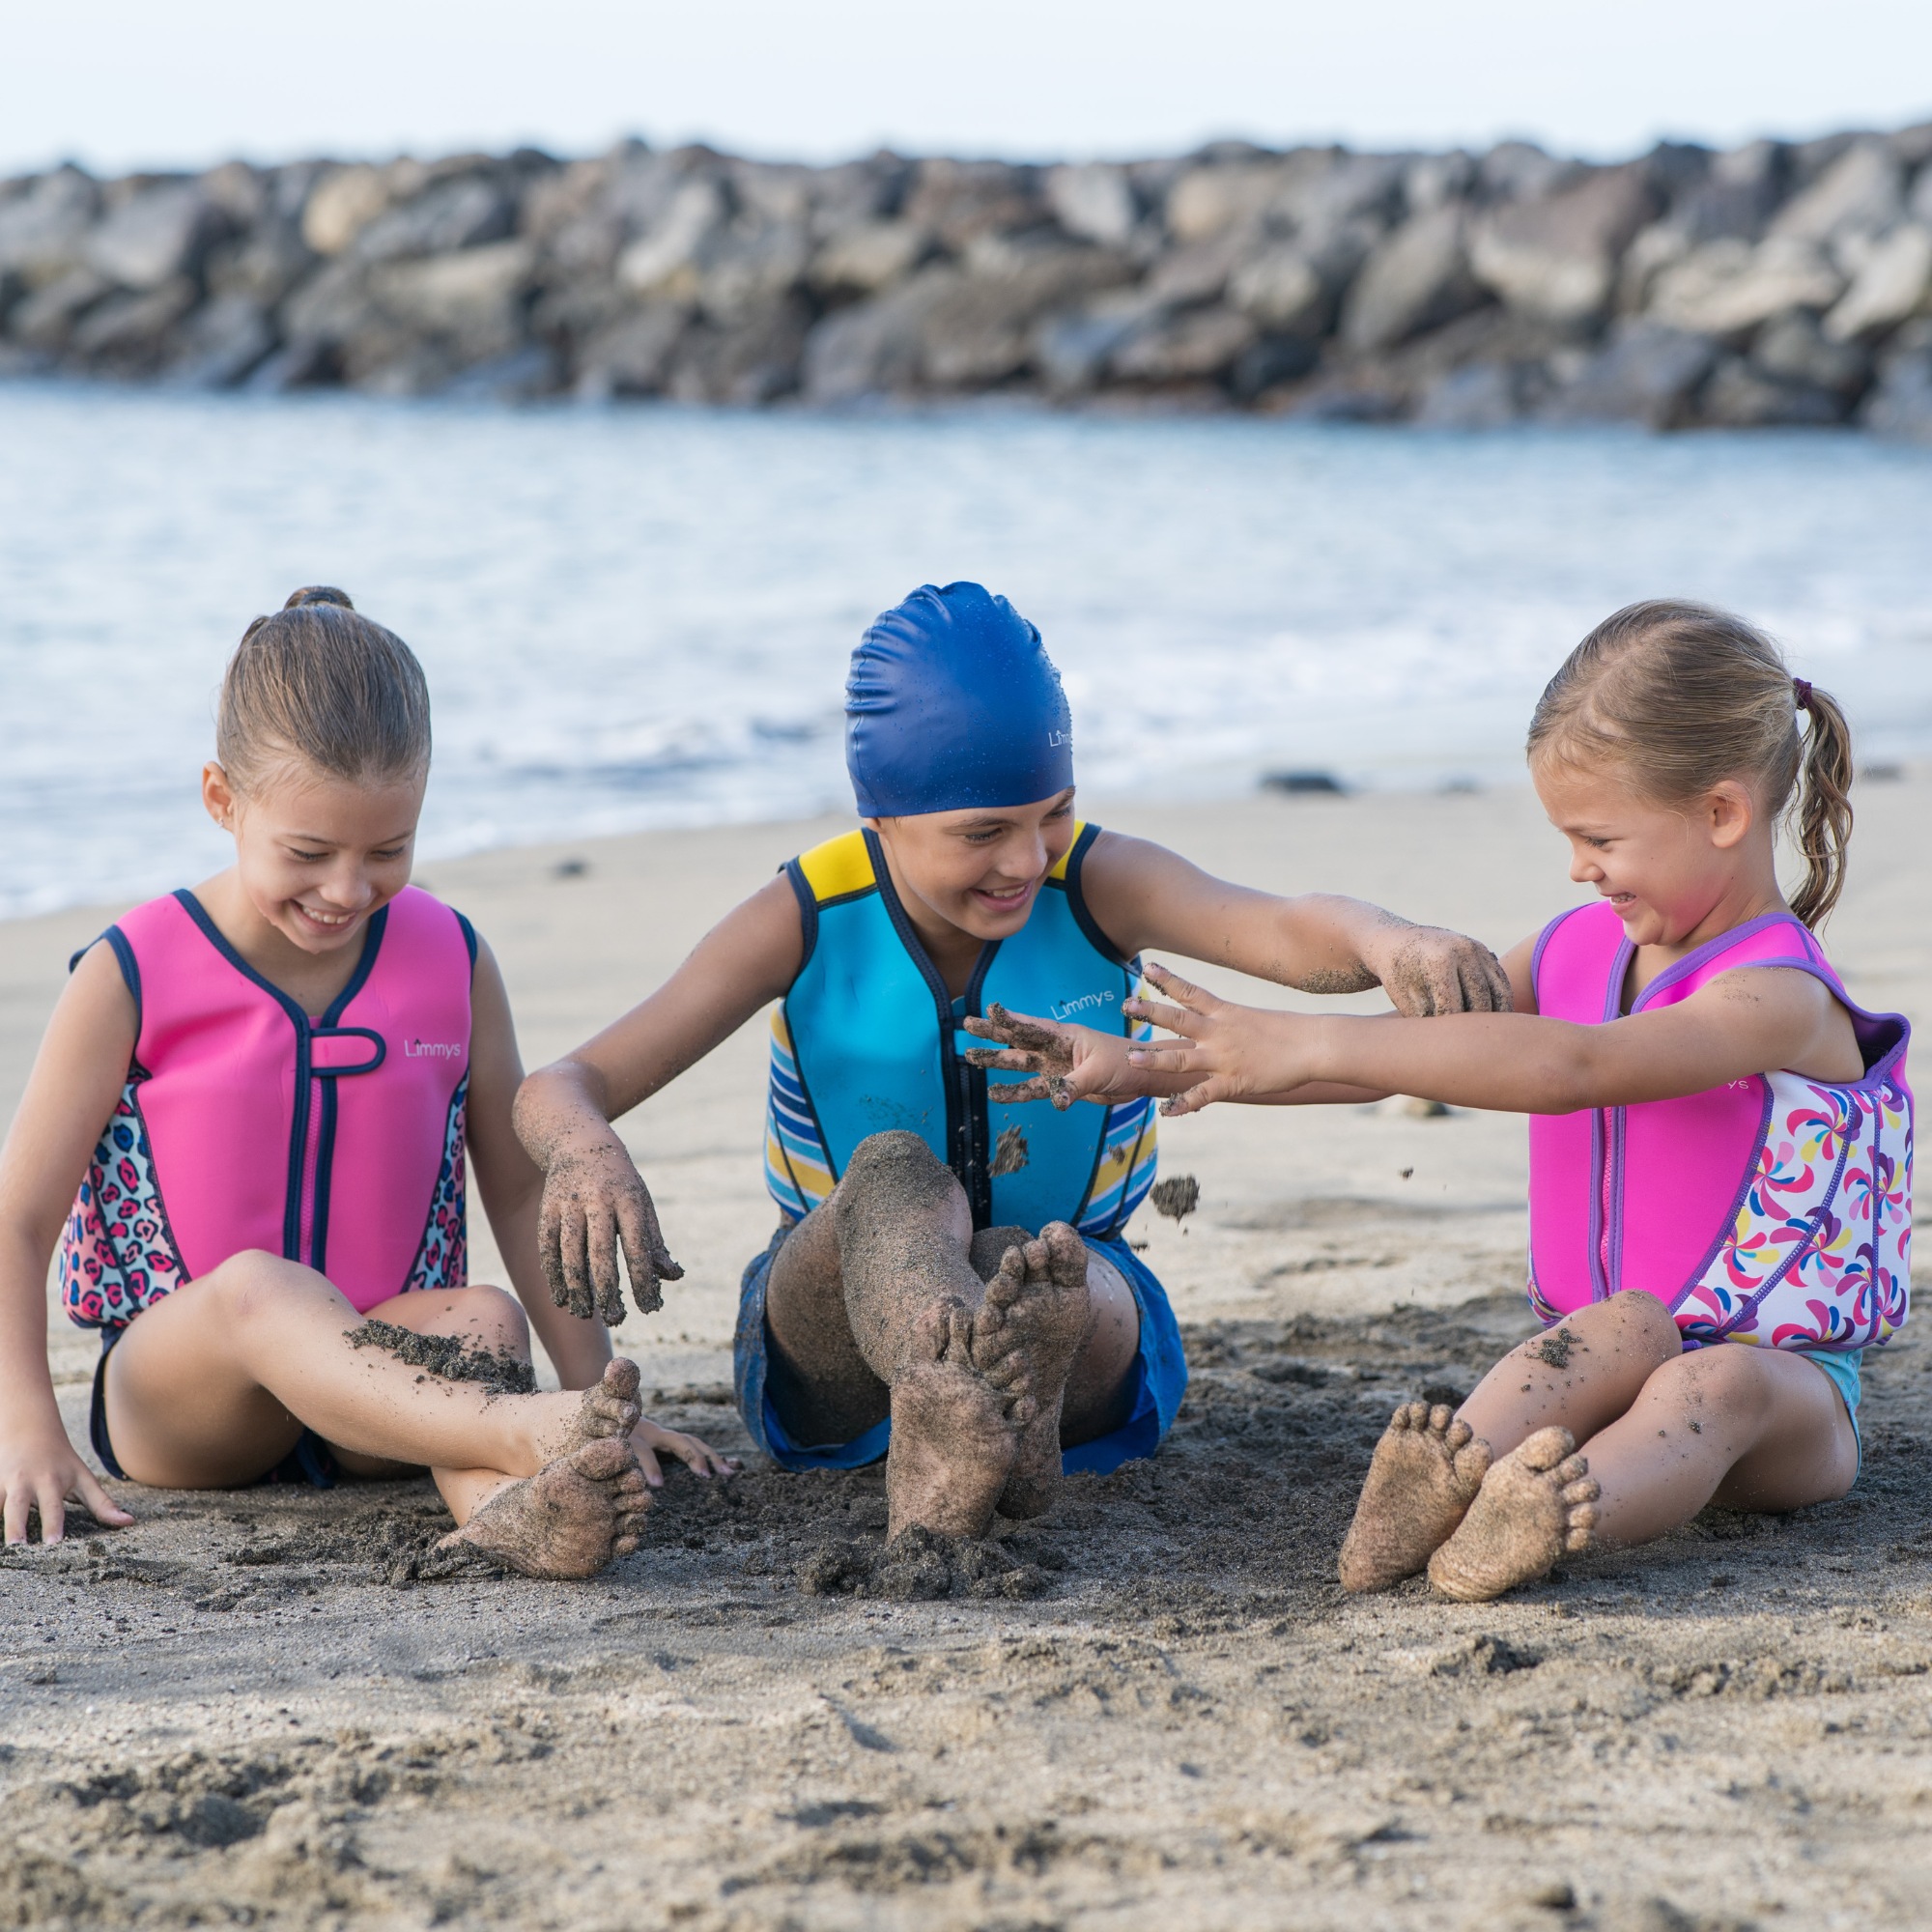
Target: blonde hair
(320, 685)
(1682, 697)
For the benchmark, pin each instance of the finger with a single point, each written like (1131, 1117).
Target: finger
(695, 1456)
(1196, 1097)
(1171, 1019)
(572, 1252)
(662, 1266)
(601, 1238)
(1184, 992)
(641, 1257)
(550, 1253)
(99, 1504)
(1008, 1059)
(53, 1514)
(1024, 1030)
(1167, 1058)
(1042, 1088)
(647, 1461)
(18, 1502)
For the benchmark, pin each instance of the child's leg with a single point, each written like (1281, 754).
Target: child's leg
(213, 1385)
(1752, 1428)
(1428, 1465)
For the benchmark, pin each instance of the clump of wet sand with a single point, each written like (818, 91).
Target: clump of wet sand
(451, 1358)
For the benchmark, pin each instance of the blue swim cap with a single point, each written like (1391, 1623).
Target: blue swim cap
(953, 702)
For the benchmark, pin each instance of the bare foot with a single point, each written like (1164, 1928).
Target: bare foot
(1033, 1321)
(567, 1521)
(609, 1407)
(955, 1432)
(1534, 1505)
(1427, 1469)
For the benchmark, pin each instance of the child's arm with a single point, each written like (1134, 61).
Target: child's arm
(1735, 1027)
(1148, 898)
(511, 1183)
(594, 1201)
(72, 1094)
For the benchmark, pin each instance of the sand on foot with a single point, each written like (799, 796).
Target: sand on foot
(1425, 1474)
(1535, 1504)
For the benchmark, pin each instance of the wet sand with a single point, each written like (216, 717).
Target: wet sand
(1153, 1708)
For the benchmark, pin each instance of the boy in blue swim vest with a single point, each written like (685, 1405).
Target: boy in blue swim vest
(950, 1286)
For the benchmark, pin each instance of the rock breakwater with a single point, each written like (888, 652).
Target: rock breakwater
(1774, 284)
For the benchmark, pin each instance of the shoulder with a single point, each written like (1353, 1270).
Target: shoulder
(839, 868)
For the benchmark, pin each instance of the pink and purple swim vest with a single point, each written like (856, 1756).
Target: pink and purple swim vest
(1774, 1209)
(244, 1124)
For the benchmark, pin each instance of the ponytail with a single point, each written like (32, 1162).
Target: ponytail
(1823, 815)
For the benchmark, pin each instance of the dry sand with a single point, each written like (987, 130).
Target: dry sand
(1154, 1709)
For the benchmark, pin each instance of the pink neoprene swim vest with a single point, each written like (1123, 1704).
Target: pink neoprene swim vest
(244, 1124)
(1776, 1209)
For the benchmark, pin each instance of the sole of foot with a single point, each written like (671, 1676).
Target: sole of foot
(569, 1520)
(1426, 1470)
(1033, 1319)
(954, 1430)
(1534, 1505)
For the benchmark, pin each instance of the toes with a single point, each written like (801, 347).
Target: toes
(1459, 1436)
(1066, 1252)
(625, 1546)
(600, 1460)
(1547, 1448)
(1441, 1417)
(621, 1377)
(1004, 1290)
(1572, 1468)
(1584, 1489)
(1410, 1415)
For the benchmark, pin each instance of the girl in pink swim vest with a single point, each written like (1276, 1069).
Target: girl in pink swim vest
(246, 1131)
(1721, 1139)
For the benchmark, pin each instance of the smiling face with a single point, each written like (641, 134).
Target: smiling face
(975, 871)
(317, 856)
(1676, 874)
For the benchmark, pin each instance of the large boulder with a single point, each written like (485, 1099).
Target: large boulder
(872, 347)
(870, 256)
(1520, 171)
(1893, 282)
(156, 237)
(959, 201)
(664, 260)
(632, 355)
(470, 300)
(1207, 201)
(754, 360)
(1741, 396)
(128, 334)
(1862, 193)
(750, 268)
(462, 214)
(1646, 373)
(1071, 346)
(1555, 259)
(1416, 279)
(1192, 347)
(43, 232)
(1728, 288)
(981, 331)
(45, 318)
(1792, 348)
(1093, 202)
(1282, 289)
(344, 201)
(224, 343)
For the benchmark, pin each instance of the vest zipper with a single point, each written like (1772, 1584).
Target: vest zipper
(311, 1155)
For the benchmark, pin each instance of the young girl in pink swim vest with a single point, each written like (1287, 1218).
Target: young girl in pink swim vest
(1720, 1138)
(248, 1127)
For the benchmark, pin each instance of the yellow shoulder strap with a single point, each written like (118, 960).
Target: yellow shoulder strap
(1060, 871)
(839, 866)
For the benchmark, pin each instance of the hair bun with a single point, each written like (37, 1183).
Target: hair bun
(318, 593)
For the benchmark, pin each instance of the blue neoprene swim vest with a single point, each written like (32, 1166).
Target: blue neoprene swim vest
(868, 1040)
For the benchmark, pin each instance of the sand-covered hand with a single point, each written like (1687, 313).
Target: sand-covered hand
(595, 1202)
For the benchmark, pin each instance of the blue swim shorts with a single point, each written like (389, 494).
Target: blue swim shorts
(1160, 1372)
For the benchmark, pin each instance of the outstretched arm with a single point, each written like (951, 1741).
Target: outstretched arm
(70, 1095)
(594, 1201)
(1147, 898)
(1735, 1027)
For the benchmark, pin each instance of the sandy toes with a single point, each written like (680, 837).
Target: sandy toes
(584, 1506)
(1535, 1504)
(955, 1430)
(1426, 1472)
(1033, 1321)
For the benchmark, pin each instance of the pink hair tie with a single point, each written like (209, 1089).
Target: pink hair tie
(1800, 691)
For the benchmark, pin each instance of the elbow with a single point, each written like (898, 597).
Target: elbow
(1572, 1080)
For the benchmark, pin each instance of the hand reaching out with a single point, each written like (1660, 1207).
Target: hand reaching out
(1066, 1062)
(595, 1201)
(649, 1439)
(1224, 1052)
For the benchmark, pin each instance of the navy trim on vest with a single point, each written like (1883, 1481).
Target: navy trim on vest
(808, 910)
(469, 936)
(130, 967)
(1077, 899)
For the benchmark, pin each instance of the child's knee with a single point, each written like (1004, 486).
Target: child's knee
(896, 1168)
(1643, 1322)
(1725, 1381)
(491, 1313)
(251, 1284)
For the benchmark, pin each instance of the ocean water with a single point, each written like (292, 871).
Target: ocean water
(640, 617)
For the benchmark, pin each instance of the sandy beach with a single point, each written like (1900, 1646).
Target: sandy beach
(1155, 1708)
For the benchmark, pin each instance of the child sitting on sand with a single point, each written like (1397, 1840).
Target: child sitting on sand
(950, 1286)
(261, 1092)
(1720, 1141)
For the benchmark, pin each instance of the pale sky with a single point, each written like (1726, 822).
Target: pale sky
(132, 83)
